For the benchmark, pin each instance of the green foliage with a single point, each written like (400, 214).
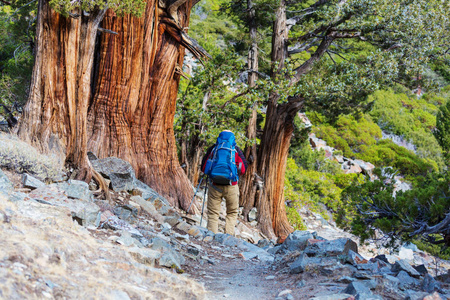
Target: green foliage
(316, 190)
(442, 132)
(210, 102)
(404, 215)
(216, 31)
(409, 117)
(361, 139)
(17, 31)
(135, 7)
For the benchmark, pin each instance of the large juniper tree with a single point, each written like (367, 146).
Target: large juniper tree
(116, 98)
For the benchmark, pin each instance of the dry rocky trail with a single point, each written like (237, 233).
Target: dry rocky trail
(62, 240)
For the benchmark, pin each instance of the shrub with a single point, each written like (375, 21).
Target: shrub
(22, 158)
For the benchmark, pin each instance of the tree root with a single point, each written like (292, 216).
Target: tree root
(103, 186)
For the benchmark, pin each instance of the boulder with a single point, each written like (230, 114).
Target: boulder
(421, 269)
(358, 288)
(403, 265)
(115, 223)
(144, 256)
(406, 280)
(366, 167)
(355, 259)
(297, 240)
(120, 172)
(6, 186)
(75, 189)
(429, 284)
(147, 192)
(305, 263)
(252, 215)
(331, 248)
(31, 182)
(125, 212)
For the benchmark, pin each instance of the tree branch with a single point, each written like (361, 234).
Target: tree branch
(307, 65)
(6, 2)
(106, 31)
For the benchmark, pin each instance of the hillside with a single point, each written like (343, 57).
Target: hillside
(61, 240)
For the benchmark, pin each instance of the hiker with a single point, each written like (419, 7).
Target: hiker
(223, 163)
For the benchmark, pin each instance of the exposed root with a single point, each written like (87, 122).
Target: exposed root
(102, 184)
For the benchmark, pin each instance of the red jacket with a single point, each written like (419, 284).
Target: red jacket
(241, 162)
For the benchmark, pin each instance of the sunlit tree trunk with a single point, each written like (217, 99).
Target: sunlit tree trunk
(55, 114)
(132, 113)
(127, 108)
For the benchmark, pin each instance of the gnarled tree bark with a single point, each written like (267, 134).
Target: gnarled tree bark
(126, 107)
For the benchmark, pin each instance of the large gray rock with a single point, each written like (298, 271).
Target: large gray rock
(304, 263)
(429, 284)
(144, 256)
(297, 240)
(85, 212)
(331, 248)
(6, 186)
(75, 189)
(149, 208)
(31, 182)
(358, 288)
(406, 280)
(120, 172)
(403, 265)
(261, 254)
(147, 192)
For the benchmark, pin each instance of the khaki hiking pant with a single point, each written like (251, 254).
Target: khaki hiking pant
(215, 195)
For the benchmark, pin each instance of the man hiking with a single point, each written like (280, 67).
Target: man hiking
(223, 163)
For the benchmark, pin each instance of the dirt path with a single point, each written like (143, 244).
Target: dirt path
(228, 276)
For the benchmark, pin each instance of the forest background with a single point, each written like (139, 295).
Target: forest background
(216, 96)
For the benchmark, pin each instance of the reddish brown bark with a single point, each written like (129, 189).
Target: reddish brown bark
(127, 108)
(132, 114)
(55, 114)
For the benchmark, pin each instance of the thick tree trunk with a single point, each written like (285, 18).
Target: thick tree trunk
(273, 153)
(274, 146)
(248, 185)
(55, 114)
(132, 114)
(132, 99)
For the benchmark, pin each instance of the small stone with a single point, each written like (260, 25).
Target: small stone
(253, 214)
(183, 226)
(194, 231)
(405, 253)
(248, 255)
(285, 292)
(357, 288)
(208, 238)
(270, 278)
(434, 296)
(301, 284)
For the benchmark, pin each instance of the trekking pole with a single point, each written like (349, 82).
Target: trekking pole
(204, 196)
(198, 186)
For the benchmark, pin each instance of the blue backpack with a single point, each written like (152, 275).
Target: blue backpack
(221, 166)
